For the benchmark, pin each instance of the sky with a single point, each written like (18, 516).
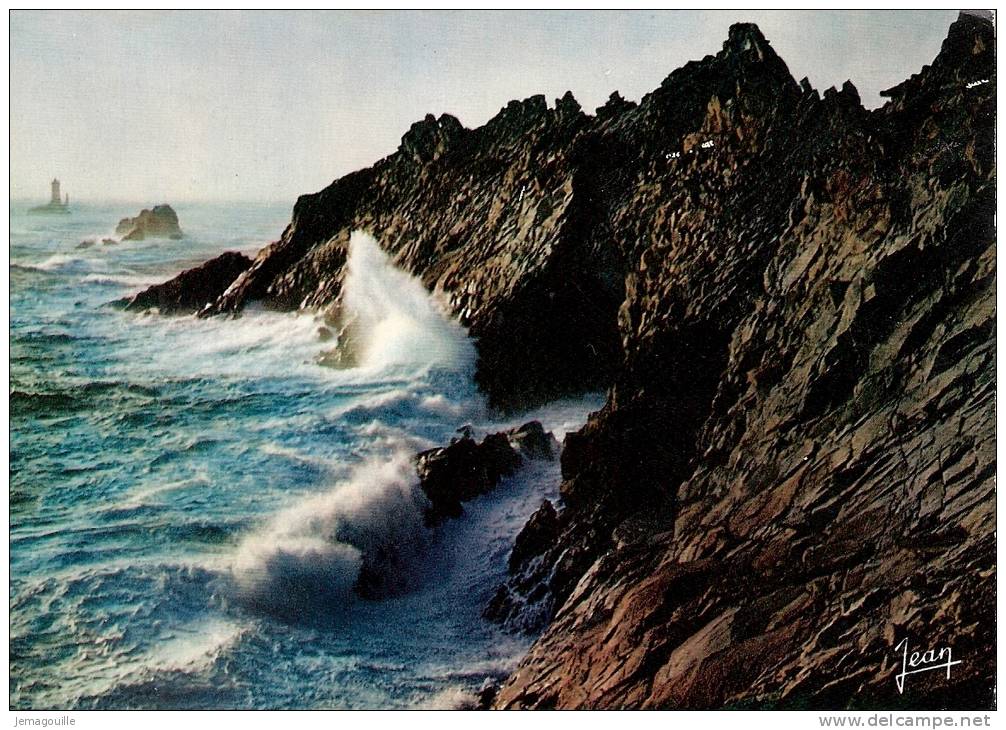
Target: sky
(183, 106)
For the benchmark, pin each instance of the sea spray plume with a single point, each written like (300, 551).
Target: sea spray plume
(387, 319)
(363, 536)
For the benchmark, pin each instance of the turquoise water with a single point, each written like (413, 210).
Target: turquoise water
(191, 500)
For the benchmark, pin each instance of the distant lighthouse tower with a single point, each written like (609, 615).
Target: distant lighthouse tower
(56, 204)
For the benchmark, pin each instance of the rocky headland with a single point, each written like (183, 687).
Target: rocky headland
(790, 300)
(188, 292)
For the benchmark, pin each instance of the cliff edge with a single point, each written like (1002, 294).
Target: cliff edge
(791, 301)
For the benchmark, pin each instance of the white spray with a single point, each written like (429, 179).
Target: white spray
(390, 320)
(309, 558)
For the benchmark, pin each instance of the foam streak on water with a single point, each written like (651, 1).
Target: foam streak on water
(192, 501)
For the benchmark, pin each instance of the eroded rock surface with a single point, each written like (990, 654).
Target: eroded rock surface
(505, 220)
(161, 222)
(193, 289)
(791, 299)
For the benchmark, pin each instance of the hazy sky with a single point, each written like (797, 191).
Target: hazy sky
(170, 106)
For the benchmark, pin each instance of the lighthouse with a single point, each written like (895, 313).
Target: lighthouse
(57, 203)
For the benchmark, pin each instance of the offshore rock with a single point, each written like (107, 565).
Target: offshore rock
(161, 222)
(532, 441)
(795, 468)
(614, 106)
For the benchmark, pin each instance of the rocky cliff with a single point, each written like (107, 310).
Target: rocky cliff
(791, 301)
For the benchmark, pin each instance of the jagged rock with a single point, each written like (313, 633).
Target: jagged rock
(501, 204)
(450, 475)
(532, 441)
(791, 301)
(89, 242)
(795, 467)
(614, 106)
(192, 289)
(161, 222)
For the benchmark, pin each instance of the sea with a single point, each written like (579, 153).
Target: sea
(191, 499)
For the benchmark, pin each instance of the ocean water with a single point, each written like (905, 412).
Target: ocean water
(191, 500)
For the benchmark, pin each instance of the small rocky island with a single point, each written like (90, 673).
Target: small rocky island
(161, 222)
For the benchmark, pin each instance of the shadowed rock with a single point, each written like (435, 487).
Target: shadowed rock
(795, 469)
(191, 290)
(464, 470)
(161, 222)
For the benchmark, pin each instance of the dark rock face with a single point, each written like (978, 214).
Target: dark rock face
(532, 441)
(161, 222)
(792, 302)
(191, 290)
(614, 106)
(795, 468)
(450, 475)
(501, 219)
(539, 532)
(87, 243)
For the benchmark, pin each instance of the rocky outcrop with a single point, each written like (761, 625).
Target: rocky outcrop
(161, 222)
(501, 220)
(465, 469)
(795, 469)
(615, 106)
(191, 290)
(791, 301)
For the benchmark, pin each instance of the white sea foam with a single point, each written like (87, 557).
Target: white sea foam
(309, 558)
(60, 262)
(131, 280)
(394, 319)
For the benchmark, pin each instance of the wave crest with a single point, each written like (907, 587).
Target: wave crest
(364, 536)
(388, 319)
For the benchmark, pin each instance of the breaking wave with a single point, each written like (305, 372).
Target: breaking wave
(387, 318)
(199, 504)
(365, 534)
